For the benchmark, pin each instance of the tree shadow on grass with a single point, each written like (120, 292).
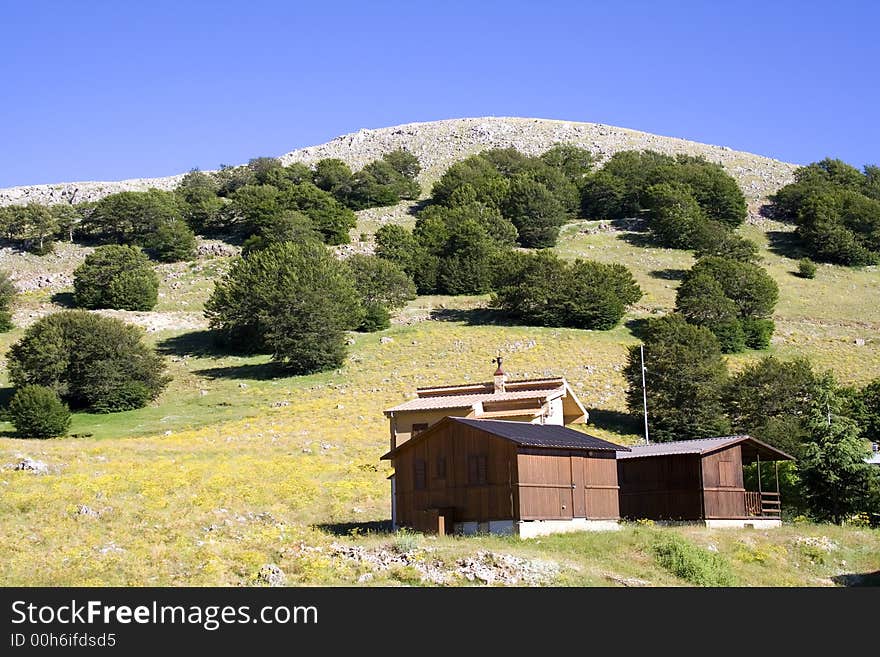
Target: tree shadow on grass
(354, 528)
(641, 240)
(253, 371)
(195, 343)
(418, 206)
(638, 326)
(857, 579)
(615, 421)
(785, 243)
(474, 316)
(63, 299)
(669, 274)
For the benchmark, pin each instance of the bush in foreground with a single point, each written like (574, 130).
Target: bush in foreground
(37, 412)
(93, 362)
(691, 563)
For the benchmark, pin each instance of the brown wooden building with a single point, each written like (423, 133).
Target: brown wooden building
(539, 401)
(467, 475)
(700, 480)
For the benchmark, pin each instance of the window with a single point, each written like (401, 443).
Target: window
(477, 470)
(419, 474)
(418, 428)
(441, 467)
(726, 475)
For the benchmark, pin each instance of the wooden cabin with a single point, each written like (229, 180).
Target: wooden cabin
(701, 480)
(539, 401)
(467, 475)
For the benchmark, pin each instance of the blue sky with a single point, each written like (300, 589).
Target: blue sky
(98, 90)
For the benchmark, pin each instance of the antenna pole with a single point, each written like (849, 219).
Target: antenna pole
(644, 392)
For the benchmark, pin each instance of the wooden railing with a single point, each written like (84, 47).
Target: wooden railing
(763, 504)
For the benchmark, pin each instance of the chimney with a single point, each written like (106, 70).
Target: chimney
(500, 376)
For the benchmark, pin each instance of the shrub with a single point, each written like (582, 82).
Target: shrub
(118, 277)
(806, 268)
(541, 289)
(758, 332)
(675, 215)
(131, 217)
(382, 286)
(7, 295)
(328, 215)
(534, 210)
(290, 226)
(770, 399)
(685, 376)
(334, 176)
(92, 362)
(376, 318)
(199, 204)
(37, 412)
(733, 299)
(293, 301)
(173, 241)
(692, 563)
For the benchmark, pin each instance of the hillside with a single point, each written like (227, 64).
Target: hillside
(440, 143)
(234, 467)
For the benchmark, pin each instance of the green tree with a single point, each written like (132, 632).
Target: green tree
(37, 412)
(535, 212)
(806, 268)
(7, 296)
(675, 215)
(131, 217)
(465, 265)
(487, 183)
(199, 204)
(33, 226)
(574, 162)
(294, 301)
(328, 215)
(264, 168)
(771, 400)
(290, 226)
(404, 162)
(685, 376)
(748, 286)
(544, 290)
(253, 207)
(333, 176)
(701, 300)
(172, 242)
(712, 238)
(836, 481)
(382, 286)
(869, 418)
(230, 178)
(116, 276)
(93, 362)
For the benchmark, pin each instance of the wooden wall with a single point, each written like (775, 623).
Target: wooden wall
(562, 484)
(723, 484)
(456, 444)
(660, 487)
(520, 484)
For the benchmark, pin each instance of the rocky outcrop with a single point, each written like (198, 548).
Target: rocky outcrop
(440, 143)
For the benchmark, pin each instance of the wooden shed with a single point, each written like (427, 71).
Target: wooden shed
(701, 480)
(467, 475)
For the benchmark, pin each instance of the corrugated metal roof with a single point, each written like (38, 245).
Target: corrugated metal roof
(489, 386)
(698, 446)
(468, 401)
(540, 435)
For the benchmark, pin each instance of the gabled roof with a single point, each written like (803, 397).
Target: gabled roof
(467, 401)
(523, 434)
(474, 395)
(751, 447)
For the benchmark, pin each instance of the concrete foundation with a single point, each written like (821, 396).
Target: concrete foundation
(533, 528)
(740, 523)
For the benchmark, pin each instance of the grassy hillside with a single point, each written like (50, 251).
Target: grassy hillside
(236, 465)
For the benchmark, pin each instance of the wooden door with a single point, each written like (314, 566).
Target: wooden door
(578, 486)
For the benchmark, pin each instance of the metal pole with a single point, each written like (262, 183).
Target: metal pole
(644, 392)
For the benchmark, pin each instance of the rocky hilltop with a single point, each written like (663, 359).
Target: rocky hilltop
(438, 144)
